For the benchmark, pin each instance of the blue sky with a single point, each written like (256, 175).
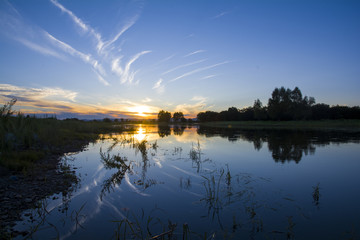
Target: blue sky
(134, 58)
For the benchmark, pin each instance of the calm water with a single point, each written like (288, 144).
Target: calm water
(222, 183)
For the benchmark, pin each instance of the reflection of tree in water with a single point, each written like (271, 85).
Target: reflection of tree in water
(122, 165)
(285, 145)
(142, 148)
(178, 130)
(164, 130)
(111, 162)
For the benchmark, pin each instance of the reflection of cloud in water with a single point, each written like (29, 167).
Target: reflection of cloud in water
(83, 220)
(158, 161)
(184, 171)
(98, 169)
(114, 208)
(127, 180)
(85, 189)
(170, 176)
(193, 193)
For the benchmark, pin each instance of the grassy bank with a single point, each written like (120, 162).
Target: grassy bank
(347, 125)
(25, 140)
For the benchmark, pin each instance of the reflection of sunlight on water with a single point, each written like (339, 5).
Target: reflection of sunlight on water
(140, 134)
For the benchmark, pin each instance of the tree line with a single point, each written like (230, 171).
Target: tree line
(165, 116)
(283, 105)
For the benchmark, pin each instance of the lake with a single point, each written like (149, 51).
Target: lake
(207, 183)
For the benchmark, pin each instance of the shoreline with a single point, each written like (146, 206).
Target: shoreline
(22, 191)
(332, 125)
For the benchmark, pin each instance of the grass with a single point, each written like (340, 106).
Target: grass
(25, 140)
(349, 125)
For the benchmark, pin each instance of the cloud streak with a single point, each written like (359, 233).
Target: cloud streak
(125, 73)
(184, 65)
(220, 15)
(87, 58)
(195, 52)
(47, 44)
(38, 93)
(198, 70)
(159, 87)
(40, 49)
(77, 20)
(108, 43)
(198, 104)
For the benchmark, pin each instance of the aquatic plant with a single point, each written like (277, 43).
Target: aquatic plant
(316, 194)
(155, 145)
(195, 151)
(110, 162)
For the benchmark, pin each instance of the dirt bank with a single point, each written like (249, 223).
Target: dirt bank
(21, 191)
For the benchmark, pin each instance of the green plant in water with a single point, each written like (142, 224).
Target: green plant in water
(155, 145)
(195, 152)
(110, 162)
(316, 194)
(290, 229)
(212, 194)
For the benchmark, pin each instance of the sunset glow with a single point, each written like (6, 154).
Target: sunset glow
(140, 134)
(131, 59)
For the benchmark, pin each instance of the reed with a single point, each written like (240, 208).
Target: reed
(316, 194)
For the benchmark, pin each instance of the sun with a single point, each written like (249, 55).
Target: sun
(140, 110)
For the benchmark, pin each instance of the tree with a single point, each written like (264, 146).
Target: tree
(259, 110)
(164, 116)
(233, 114)
(178, 116)
(208, 116)
(286, 104)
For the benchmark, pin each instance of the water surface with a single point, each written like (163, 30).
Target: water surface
(224, 183)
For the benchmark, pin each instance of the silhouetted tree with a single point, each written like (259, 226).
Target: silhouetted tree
(259, 110)
(107, 120)
(247, 114)
(208, 116)
(285, 104)
(178, 116)
(164, 116)
(320, 111)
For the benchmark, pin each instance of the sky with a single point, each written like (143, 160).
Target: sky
(133, 58)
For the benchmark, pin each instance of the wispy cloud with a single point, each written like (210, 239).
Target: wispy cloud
(184, 65)
(198, 70)
(77, 20)
(159, 87)
(127, 25)
(208, 76)
(15, 27)
(46, 43)
(146, 100)
(82, 25)
(195, 52)
(198, 104)
(40, 49)
(220, 15)
(87, 58)
(39, 93)
(125, 73)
